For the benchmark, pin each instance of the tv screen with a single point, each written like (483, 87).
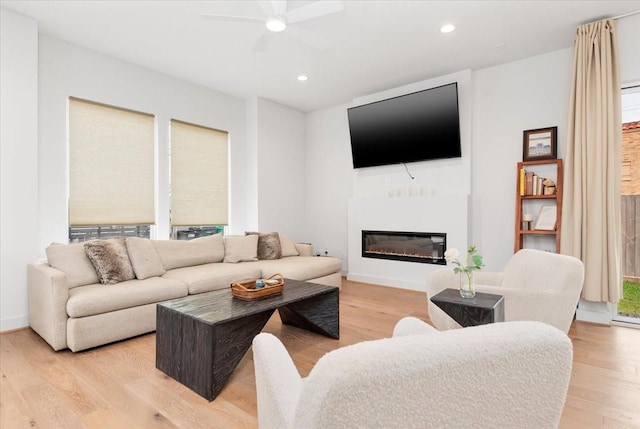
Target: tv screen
(420, 126)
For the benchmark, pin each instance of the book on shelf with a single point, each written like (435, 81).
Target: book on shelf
(522, 182)
(529, 183)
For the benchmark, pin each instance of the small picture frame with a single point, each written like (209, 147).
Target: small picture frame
(546, 219)
(540, 144)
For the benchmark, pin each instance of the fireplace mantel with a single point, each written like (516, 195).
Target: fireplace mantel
(443, 213)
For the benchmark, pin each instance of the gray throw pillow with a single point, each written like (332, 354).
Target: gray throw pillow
(268, 245)
(110, 259)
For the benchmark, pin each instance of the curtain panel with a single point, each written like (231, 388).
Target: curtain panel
(591, 224)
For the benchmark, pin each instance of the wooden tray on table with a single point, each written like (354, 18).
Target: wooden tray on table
(247, 290)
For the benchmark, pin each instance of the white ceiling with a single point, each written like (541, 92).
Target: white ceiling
(375, 45)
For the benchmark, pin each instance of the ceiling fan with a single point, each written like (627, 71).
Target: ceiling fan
(278, 18)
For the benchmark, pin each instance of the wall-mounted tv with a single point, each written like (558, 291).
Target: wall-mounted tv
(420, 126)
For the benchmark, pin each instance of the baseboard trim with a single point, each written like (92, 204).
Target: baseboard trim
(593, 312)
(14, 323)
(381, 281)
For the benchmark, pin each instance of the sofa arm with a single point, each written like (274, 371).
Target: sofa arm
(304, 249)
(48, 295)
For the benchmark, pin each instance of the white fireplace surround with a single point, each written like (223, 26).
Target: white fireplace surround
(442, 213)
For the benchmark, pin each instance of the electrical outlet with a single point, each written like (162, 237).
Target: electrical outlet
(387, 181)
(325, 252)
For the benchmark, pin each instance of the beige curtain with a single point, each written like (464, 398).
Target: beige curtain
(591, 208)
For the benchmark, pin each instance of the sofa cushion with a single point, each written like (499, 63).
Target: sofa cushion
(74, 262)
(208, 277)
(288, 246)
(144, 258)
(110, 259)
(238, 248)
(97, 299)
(180, 253)
(268, 245)
(301, 267)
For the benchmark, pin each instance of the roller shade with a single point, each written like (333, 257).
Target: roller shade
(111, 165)
(199, 175)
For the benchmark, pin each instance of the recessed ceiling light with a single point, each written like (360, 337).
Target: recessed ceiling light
(447, 28)
(303, 77)
(276, 24)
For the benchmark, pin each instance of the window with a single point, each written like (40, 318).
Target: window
(85, 233)
(199, 176)
(111, 167)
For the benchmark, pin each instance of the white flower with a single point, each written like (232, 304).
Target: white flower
(451, 254)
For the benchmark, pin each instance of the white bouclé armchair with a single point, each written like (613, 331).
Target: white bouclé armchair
(536, 285)
(503, 375)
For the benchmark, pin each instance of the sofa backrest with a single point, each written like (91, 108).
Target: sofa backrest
(180, 253)
(503, 375)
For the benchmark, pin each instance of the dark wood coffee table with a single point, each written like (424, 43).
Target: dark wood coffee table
(200, 339)
(482, 309)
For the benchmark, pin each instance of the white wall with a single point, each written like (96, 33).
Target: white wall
(329, 180)
(281, 169)
(332, 181)
(497, 105)
(628, 42)
(251, 166)
(69, 70)
(19, 163)
(508, 99)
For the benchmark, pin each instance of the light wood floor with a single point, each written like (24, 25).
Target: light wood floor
(118, 386)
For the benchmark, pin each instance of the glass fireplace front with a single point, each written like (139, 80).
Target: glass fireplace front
(423, 247)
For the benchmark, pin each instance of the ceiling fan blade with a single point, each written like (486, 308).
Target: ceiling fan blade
(280, 7)
(231, 18)
(267, 7)
(314, 10)
(263, 41)
(312, 39)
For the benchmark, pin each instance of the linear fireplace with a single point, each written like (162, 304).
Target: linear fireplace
(424, 247)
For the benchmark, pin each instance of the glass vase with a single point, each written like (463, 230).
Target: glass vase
(467, 285)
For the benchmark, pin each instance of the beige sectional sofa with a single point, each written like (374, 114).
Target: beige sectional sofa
(69, 306)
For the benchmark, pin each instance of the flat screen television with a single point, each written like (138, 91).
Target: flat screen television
(420, 126)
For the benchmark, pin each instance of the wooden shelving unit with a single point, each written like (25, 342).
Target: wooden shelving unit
(523, 200)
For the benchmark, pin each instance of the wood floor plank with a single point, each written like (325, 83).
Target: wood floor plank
(118, 386)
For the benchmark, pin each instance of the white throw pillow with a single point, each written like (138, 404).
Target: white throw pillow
(181, 253)
(72, 260)
(240, 248)
(144, 258)
(288, 247)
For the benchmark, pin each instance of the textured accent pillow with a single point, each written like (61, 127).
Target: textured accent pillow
(110, 259)
(144, 258)
(238, 248)
(72, 260)
(287, 246)
(268, 245)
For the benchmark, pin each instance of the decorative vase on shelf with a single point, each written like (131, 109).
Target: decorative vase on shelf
(467, 284)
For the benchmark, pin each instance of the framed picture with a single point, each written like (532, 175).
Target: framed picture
(547, 218)
(540, 144)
